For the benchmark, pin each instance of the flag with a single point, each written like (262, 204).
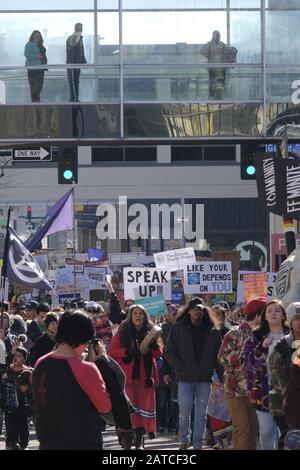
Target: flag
(22, 267)
(95, 254)
(59, 218)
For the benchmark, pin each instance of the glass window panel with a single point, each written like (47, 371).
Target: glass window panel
(60, 121)
(282, 4)
(171, 4)
(280, 87)
(177, 37)
(55, 28)
(108, 4)
(193, 120)
(107, 52)
(95, 85)
(245, 35)
(47, 5)
(245, 3)
(282, 37)
(192, 84)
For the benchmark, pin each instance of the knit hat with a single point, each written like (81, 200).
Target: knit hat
(195, 301)
(92, 305)
(50, 317)
(18, 325)
(292, 310)
(31, 305)
(255, 305)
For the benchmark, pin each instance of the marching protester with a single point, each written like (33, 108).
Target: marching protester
(101, 322)
(242, 413)
(30, 310)
(116, 313)
(114, 379)
(257, 351)
(135, 347)
(37, 327)
(64, 384)
(47, 341)
(192, 349)
(280, 369)
(13, 402)
(292, 408)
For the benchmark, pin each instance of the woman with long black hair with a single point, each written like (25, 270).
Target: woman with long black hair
(136, 347)
(35, 54)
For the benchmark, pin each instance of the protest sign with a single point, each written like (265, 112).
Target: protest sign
(142, 282)
(123, 258)
(210, 277)
(173, 260)
(255, 285)
(240, 286)
(155, 306)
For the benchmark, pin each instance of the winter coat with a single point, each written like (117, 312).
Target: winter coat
(75, 50)
(257, 374)
(280, 365)
(118, 352)
(33, 54)
(181, 352)
(231, 357)
(292, 409)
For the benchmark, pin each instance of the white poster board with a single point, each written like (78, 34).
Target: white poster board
(143, 282)
(173, 260)
(208, 277)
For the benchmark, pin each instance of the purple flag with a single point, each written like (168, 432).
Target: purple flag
(22, 267)
(59, 218)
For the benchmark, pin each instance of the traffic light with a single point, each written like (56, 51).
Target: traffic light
(29, 213)
(248, 170)
(67, 165)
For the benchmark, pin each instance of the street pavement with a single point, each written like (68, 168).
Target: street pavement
(162, 442)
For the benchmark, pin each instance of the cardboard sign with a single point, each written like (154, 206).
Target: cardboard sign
(142, 282)
(155, 306)
(255, 285)
(173, 260)
(240, 286)
(96, 276)
(208, 277)
(123, 258)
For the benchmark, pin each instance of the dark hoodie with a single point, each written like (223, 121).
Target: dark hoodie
(192, 350)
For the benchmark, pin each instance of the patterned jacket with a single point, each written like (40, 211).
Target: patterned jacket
(256, 372)
(280, 366)
(231, 357)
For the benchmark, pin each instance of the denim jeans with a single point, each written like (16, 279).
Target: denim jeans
(268, 431)
(192, 395)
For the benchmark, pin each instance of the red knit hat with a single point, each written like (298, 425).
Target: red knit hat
(255, 305)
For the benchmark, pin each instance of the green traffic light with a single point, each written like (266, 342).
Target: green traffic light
(68, 175)
(250, 170)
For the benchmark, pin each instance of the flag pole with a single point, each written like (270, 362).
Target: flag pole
(4, 266)
(74, 241)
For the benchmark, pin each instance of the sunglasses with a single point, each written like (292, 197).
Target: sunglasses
(92, 310)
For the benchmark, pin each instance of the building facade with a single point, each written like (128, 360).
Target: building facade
(169, 92)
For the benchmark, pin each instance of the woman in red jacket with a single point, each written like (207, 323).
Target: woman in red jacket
(139, 365)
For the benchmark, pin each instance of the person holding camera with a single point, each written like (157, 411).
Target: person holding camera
(69, 393)
(136, 347)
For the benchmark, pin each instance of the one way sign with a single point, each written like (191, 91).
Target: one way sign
(32, 155)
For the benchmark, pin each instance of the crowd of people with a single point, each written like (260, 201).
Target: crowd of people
(227, 378)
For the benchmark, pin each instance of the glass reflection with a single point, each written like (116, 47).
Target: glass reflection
(193, 120)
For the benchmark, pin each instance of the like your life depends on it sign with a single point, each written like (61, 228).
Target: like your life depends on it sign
(210, 277)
